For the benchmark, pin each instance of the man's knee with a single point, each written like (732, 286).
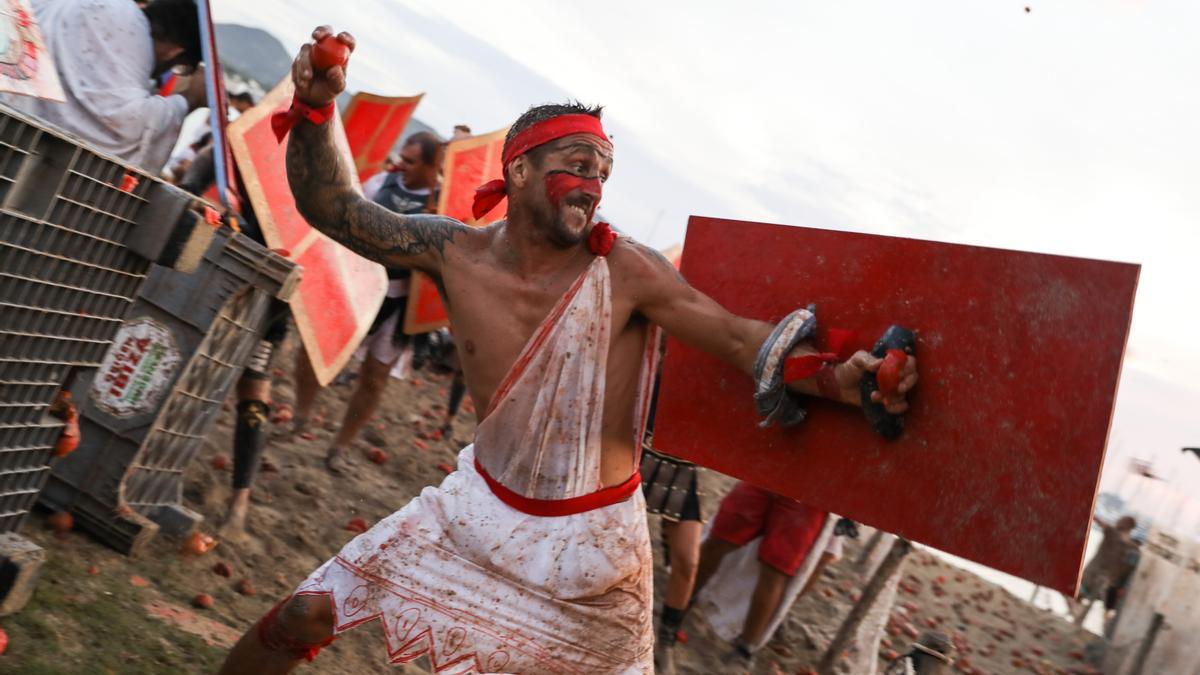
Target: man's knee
(305, 618)
(298, 628)
(685, 563)
(716, 549)
(375, 374)
(771, 576)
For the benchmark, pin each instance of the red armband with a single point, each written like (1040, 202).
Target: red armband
(283, 121)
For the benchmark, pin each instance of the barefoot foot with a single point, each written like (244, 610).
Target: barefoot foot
(234, 526)
(335, 462)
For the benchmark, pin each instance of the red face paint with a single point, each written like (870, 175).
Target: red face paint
(559, 184)
(489, 195)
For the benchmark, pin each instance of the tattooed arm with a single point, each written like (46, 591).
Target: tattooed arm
(325, 195)
(664, 297)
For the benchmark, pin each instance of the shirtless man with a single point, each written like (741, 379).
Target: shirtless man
(534, 555)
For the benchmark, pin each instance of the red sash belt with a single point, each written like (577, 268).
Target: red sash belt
(561, 507)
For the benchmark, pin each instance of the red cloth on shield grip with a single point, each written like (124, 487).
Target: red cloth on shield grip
(490, 194)
(803, 367)
(798, 368)
(283, 121)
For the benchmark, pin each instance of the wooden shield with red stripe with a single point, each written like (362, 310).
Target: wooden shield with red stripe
(1019, 356)
(339, 291)
(468, 164)
(373, 125)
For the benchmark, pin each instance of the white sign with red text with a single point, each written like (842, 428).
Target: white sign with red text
(137, 370)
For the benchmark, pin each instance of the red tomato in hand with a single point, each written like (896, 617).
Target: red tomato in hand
(889, 371)
(329, 52)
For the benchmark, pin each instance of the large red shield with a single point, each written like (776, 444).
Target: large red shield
(469, 163)
(373, 125)
(1019, 355)
(339, 291)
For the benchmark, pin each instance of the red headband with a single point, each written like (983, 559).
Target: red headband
(490, 194)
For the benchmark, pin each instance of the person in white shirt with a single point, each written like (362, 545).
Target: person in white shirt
(107, 53)
(195, 134)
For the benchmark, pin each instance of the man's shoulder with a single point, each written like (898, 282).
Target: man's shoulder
(635, 260)
(628, 251)
(472, 242)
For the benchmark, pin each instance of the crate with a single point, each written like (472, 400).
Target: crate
(145, 412)
(66, 282)
(78, 233)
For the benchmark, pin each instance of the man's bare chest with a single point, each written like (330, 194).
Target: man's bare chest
(493, 316)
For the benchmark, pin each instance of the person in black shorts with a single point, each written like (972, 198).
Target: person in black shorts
(672, 490)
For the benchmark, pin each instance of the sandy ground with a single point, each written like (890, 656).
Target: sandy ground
(96, 611)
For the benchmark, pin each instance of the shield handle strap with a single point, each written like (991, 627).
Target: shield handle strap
(884, 423)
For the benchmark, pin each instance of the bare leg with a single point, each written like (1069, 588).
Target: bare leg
(826, 558)
(768, 593)
(684, 538)
(372, 382)
(306, 390)
(235, 518)
(303, 620)
(712, 552)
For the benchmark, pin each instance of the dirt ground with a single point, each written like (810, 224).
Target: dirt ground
(96, 611)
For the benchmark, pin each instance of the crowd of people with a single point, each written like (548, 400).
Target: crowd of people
(535, 552)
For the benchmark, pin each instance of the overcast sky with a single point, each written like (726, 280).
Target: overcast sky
(1069, 129)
